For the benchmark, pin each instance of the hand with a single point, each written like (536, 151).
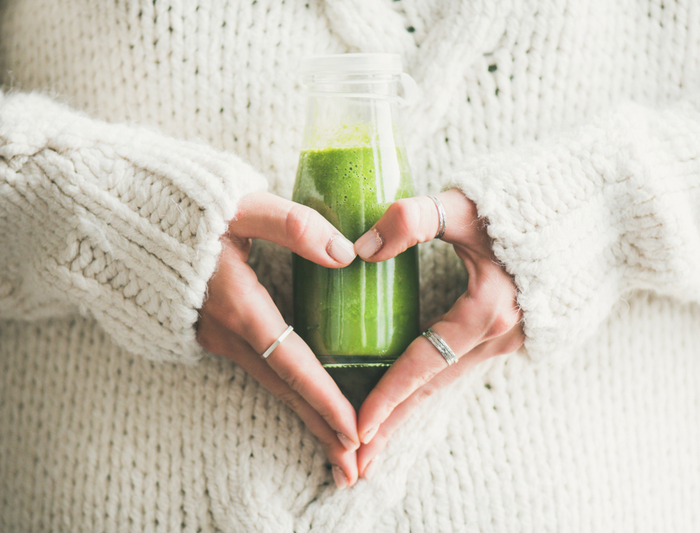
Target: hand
(484, 322)
(240, 321)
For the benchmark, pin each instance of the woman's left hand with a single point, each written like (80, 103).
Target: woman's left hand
(483, 322)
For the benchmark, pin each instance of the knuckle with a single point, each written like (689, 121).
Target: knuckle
(295, 380)
(498, 327)
(501, 324)
(425, 374)
(424, 371)
(292, 399)
(405, 217)
(299, 222)
(423, 394)
(324, 413)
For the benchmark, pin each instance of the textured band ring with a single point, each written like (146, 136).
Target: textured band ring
(441, 346)
(277, 342)
(442, 217)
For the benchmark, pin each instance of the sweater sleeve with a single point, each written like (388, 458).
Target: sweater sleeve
(119, 222)
(582, 220)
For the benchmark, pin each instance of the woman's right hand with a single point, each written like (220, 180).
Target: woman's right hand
(240, 321)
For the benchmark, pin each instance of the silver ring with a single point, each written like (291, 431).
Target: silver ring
(277, 342)
(442, 217)
(441, 346)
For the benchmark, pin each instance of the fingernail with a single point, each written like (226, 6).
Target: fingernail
(340, 249)
(369, 469)
(345, 441)
(369, 434)
(341, 480)
(369, 244)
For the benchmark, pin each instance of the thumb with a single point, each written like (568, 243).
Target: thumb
(410, 221)
(303, 230)
(405, 223)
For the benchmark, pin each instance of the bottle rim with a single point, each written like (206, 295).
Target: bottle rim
(354, 63)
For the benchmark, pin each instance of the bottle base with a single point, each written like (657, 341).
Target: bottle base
(357, 381)
(355, 361)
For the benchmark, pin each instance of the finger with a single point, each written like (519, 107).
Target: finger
(501, 345)
(217, 339)
(301, 229)
(243, 306)
(486, 311)
(411, 221)
(418, 365)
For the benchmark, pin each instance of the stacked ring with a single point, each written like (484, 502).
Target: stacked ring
(441, 346)
(442, 217)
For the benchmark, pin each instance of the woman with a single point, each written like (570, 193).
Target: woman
(570, 130)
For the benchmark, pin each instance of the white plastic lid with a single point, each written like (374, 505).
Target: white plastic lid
(348, 63)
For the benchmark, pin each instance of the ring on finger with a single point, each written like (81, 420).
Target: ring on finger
(277, 342)
(442, 217)
(436, 340)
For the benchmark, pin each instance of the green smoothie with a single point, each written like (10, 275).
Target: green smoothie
(365, 314)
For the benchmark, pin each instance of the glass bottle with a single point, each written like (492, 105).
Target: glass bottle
(352, 166)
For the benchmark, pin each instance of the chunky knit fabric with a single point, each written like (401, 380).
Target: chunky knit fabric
(120, 222)
(575, 127)
(585, 219)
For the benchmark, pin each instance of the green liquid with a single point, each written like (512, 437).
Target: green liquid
(365, 314)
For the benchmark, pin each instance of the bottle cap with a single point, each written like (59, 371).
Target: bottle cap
(368, 67)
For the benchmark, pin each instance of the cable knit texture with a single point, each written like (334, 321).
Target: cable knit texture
(574, 126)
(587, 218)
(120, 222)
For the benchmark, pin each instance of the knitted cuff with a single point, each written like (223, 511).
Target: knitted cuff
(582, 220)
(121, 221)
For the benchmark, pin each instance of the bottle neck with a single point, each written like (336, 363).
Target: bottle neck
(379, 86)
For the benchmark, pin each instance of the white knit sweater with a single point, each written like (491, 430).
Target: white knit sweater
(574, 126)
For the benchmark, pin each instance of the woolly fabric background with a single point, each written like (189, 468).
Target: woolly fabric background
(603, 437)
(604, 440)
